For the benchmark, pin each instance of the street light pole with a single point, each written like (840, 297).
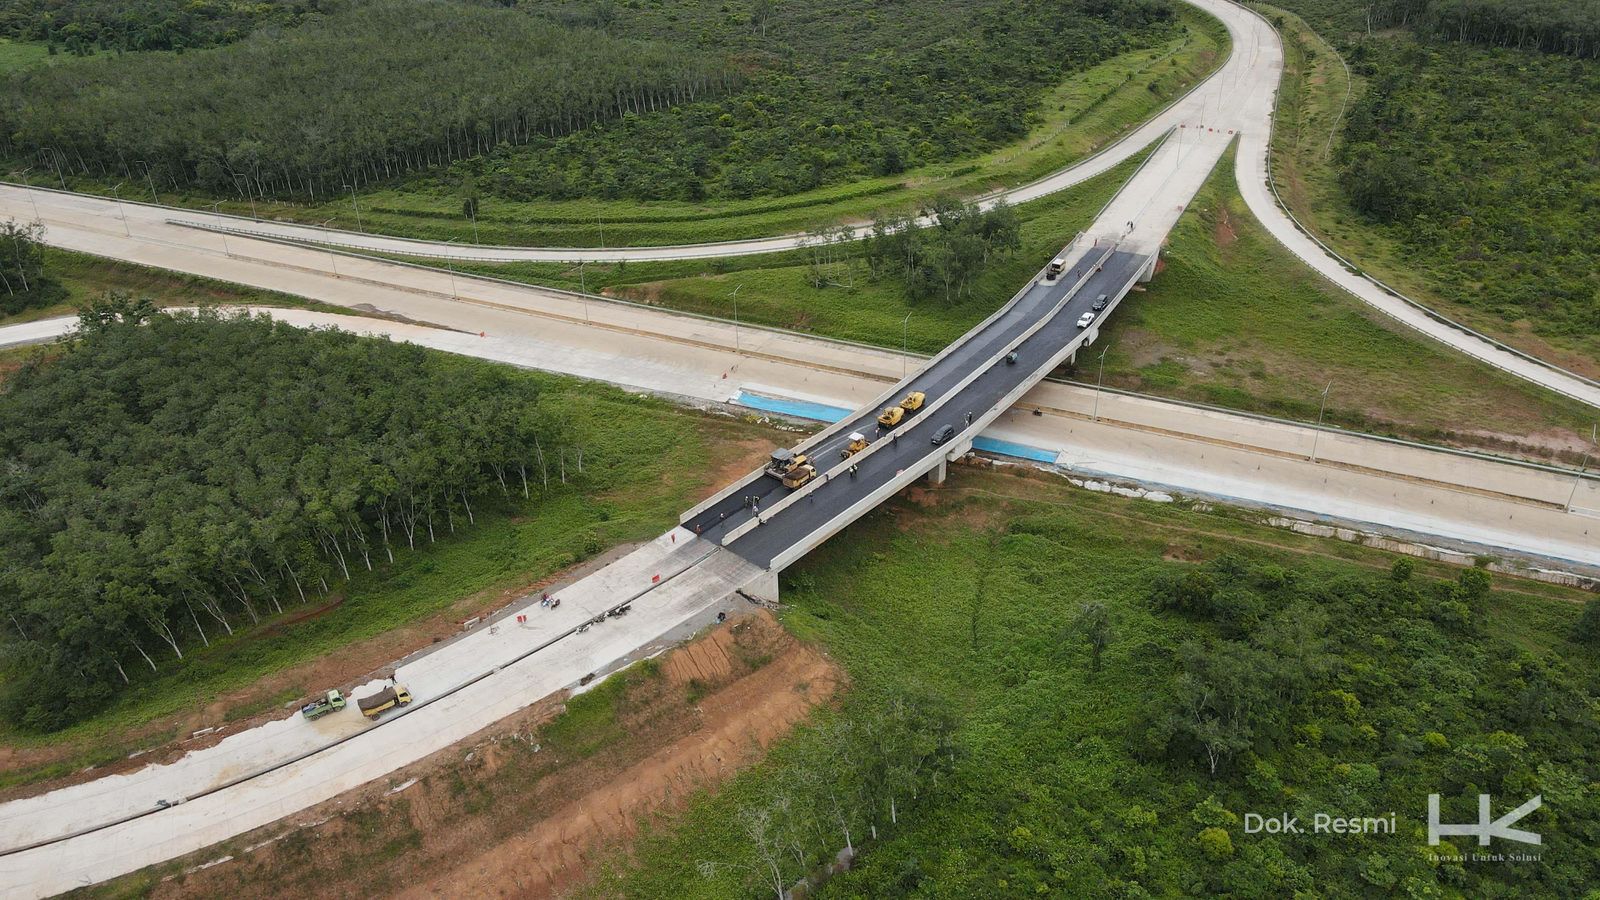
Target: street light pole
(120, 211)
(1594, 440)
(221, 228)
(448, 267)
(333, 260)
(355, 207)
(905, 344)
(28, 186)
(736, 318)
(149, 180)
(1095, 416)
(583, 290)
(1317, 435)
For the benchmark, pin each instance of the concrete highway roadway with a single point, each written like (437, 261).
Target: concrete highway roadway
(1227, 455)
(785, 536)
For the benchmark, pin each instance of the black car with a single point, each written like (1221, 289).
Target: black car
(1011, 358)
(944, 434)
(1101, 302)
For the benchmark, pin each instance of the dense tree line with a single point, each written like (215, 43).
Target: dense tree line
(838, 90)
(941, 259)
(373, 91)
(82, 27)
(166, 482)
(1570, 27)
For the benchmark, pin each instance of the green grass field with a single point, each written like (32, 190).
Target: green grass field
(1057, 789)
(1078, 117)
(644, 460)
(18, 55)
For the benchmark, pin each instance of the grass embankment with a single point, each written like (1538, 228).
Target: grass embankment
(1062, 784)
(81, 278)
(1499, 126)
(1077, 118)
(1235, 320)
(644, 460)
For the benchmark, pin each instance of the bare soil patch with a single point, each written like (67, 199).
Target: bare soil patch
(516, 812)
(1223, 232)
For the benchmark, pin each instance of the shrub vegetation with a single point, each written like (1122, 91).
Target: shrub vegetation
(1467, 159)
(1115, 753)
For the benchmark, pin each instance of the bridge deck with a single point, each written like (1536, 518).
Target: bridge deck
(910, 448)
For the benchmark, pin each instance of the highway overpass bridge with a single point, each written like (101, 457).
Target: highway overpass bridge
(967, 386)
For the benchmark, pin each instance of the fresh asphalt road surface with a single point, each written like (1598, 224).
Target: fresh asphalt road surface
(911, 443)
(934, 381)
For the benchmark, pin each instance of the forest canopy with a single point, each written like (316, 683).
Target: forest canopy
(1478, 162)
(838, 90)
(677, 99)
(163, 480)
(1570, 27)
(373, 91)
(82, 27)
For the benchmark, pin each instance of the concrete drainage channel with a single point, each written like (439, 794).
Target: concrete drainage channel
(403, 712)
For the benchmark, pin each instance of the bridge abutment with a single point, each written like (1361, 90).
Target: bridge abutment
(1149, 271)
(764, 588)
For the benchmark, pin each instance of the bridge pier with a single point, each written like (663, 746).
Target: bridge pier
(937, 473)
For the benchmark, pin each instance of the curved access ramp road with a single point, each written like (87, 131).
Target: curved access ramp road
(1210, 95)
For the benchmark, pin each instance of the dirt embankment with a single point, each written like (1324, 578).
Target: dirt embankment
(522, 808)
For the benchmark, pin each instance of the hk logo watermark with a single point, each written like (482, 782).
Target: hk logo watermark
(1485, 829)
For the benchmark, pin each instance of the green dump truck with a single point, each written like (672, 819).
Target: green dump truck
(333, 701)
